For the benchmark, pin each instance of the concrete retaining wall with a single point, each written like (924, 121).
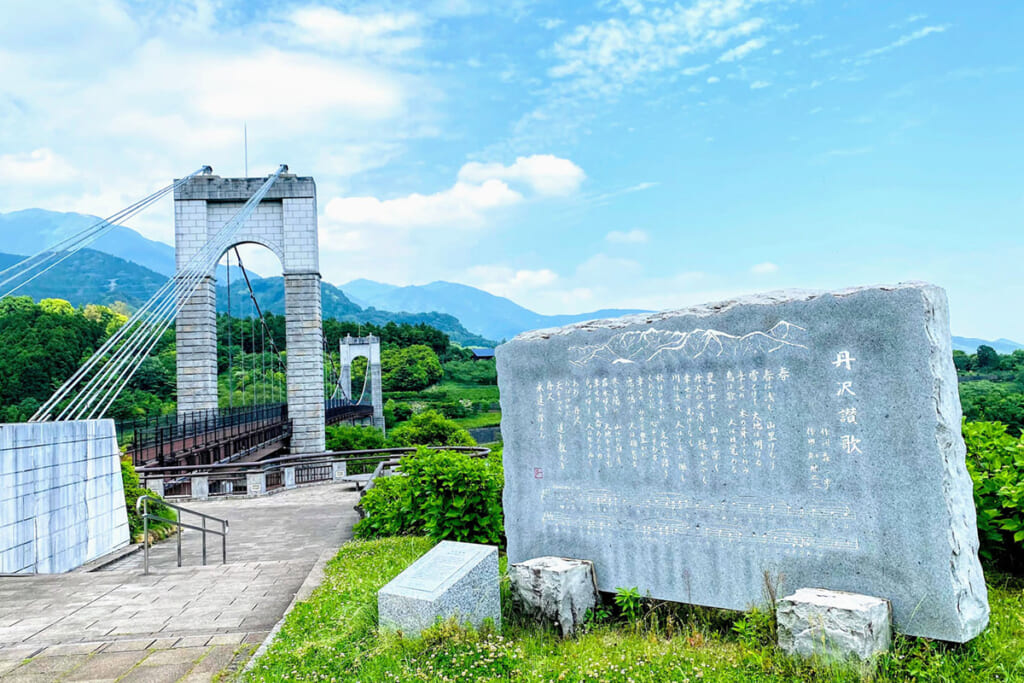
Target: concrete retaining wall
(61, 495)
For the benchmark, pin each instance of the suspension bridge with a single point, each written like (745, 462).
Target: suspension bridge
(275, 398)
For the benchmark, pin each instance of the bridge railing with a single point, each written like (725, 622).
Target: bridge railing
(158, 437)
(266, 476)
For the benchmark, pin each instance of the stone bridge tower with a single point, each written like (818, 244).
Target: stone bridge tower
(284, 222)
(369, 348)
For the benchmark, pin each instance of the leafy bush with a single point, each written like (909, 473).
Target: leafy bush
(132, 490)
(430, 428)
(350, 438)
(996, 463)
(443, 494)
(454, 410)
(410, 369)
(400, 411)
(472, 372)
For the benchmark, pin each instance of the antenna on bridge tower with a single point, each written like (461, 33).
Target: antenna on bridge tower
(245, 142)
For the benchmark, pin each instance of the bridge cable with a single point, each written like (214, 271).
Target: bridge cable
(145, 328)
(69, 246)
(201, 267)
(269, 334)
(220, 244)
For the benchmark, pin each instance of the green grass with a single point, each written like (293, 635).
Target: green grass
(332, 637)
(480, 420)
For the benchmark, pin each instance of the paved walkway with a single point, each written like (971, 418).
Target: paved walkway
(176, 624)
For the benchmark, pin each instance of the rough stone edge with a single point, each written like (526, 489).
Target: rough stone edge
(965, 573)
(708, 309)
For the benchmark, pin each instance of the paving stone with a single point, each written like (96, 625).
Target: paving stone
(193, 641)
(52, 665)
(164, 673)
(106, 666)
(217, 659)
(18, 653)
(129, 645)
(175, 655)
(227, 639)
(70, 649)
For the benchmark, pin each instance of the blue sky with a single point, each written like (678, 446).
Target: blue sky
(569, 155)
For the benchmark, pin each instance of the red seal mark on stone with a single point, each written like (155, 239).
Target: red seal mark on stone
(538, 473)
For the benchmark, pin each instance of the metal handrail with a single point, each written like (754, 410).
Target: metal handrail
(325, 456)
(143, 503)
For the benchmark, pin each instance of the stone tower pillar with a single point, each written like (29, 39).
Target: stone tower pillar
(368, 347)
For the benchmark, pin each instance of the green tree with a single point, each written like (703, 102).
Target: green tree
(413, 368)
(430, 428)
(962, 361)
(987, 358)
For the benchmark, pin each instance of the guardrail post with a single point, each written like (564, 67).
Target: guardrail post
(289, 477)
(255, 483)
(200, 487)
(338, 470)
(156, 485)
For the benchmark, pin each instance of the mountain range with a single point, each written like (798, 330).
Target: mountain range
(32, 230)
(125, 266)
(492, 316)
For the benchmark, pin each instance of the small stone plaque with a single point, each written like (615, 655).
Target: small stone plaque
(452, 579)
(811, 437)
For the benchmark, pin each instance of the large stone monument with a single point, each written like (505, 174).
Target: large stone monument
(813, 438)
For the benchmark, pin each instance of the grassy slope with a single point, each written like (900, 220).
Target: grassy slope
(332, 637)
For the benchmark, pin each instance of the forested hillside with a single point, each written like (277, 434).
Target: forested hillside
(992, 386)
(44, 343)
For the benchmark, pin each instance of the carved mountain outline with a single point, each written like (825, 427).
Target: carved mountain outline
(641, 346)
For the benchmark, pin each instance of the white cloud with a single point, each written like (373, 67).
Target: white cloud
(478, 190)
(603, 57)
(713, 79)
(741, 51)
(509, 282)
(546, 174)
(170, 88)
(462, 205)
(551, 24)
(631, 237)
(766, 268)
(757, 85)
(38, 166)
(371, 33)
(903, 40)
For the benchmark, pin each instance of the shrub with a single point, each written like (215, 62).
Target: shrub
(350, 438)
(396, 411)
(472, 372)
(132, 490)
(454, 410)
(410, 369)
(996, 463)
(430, 428)
(443, 494)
